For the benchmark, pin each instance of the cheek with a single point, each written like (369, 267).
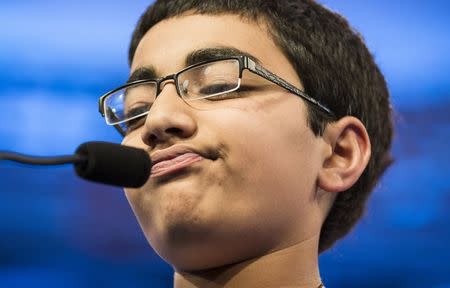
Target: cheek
(140, 205)
(134, 139)
(270, 151)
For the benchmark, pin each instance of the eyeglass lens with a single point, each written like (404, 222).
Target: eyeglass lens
(205, 81)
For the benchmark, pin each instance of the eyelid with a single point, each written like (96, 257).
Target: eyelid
(137, 107)
(134, 124)
(234, 94)
(134, 105)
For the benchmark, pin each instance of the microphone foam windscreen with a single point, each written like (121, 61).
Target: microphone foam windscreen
(114, 164)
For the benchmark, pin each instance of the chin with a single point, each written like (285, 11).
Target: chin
(195, 244)
(186, 246)
(197, 256)
(179, 233)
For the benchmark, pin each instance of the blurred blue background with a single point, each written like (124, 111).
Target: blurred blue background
(57, 57)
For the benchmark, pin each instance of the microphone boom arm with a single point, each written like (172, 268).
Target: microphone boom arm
(34, 160)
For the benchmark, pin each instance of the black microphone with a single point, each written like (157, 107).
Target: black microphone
(103, 162)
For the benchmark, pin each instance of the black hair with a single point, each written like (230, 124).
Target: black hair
(334, 66)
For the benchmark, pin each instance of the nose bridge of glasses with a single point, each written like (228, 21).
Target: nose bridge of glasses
(162, 83)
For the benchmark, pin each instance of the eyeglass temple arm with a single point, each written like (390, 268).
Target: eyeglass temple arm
(100, 105)
(121, 131)
(255, 68)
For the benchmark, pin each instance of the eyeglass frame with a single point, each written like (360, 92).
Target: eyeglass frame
(245, 62)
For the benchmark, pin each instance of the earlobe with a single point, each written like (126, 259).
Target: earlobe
(349, 153)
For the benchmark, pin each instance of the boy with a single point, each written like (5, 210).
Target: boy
(268, 124)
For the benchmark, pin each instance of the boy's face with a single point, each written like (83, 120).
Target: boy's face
(260, 194)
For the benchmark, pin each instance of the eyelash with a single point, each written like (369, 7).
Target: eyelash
(132, 124)
(231, 95)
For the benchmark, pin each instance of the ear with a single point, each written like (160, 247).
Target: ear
(348, 154)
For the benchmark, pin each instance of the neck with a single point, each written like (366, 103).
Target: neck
(293, 266)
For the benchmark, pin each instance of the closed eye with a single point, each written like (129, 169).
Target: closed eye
(137, 110)
(217, 88)
(233, 94)
(135, 123)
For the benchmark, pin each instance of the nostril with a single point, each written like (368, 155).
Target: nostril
(156, 136)
(174, 131)
(153, 138)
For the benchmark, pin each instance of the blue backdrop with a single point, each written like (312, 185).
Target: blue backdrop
(57, 58)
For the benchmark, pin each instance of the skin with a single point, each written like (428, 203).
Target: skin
(252, 217)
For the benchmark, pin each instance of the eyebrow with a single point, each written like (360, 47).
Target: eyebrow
(207, 54)
(147, 72)
(197, 56)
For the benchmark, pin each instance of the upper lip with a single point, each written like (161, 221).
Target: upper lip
(172, 152)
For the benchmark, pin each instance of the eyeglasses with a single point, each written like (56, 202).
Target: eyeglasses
(206, 81)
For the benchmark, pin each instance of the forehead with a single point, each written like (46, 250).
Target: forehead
(167, 44)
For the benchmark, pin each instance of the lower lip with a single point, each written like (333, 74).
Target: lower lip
(163, 168)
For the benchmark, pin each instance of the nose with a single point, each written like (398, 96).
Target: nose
(169, 119)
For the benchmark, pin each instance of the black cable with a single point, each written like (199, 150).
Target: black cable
(27, 159)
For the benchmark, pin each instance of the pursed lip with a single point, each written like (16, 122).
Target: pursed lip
(172, 152)
(183, 157)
